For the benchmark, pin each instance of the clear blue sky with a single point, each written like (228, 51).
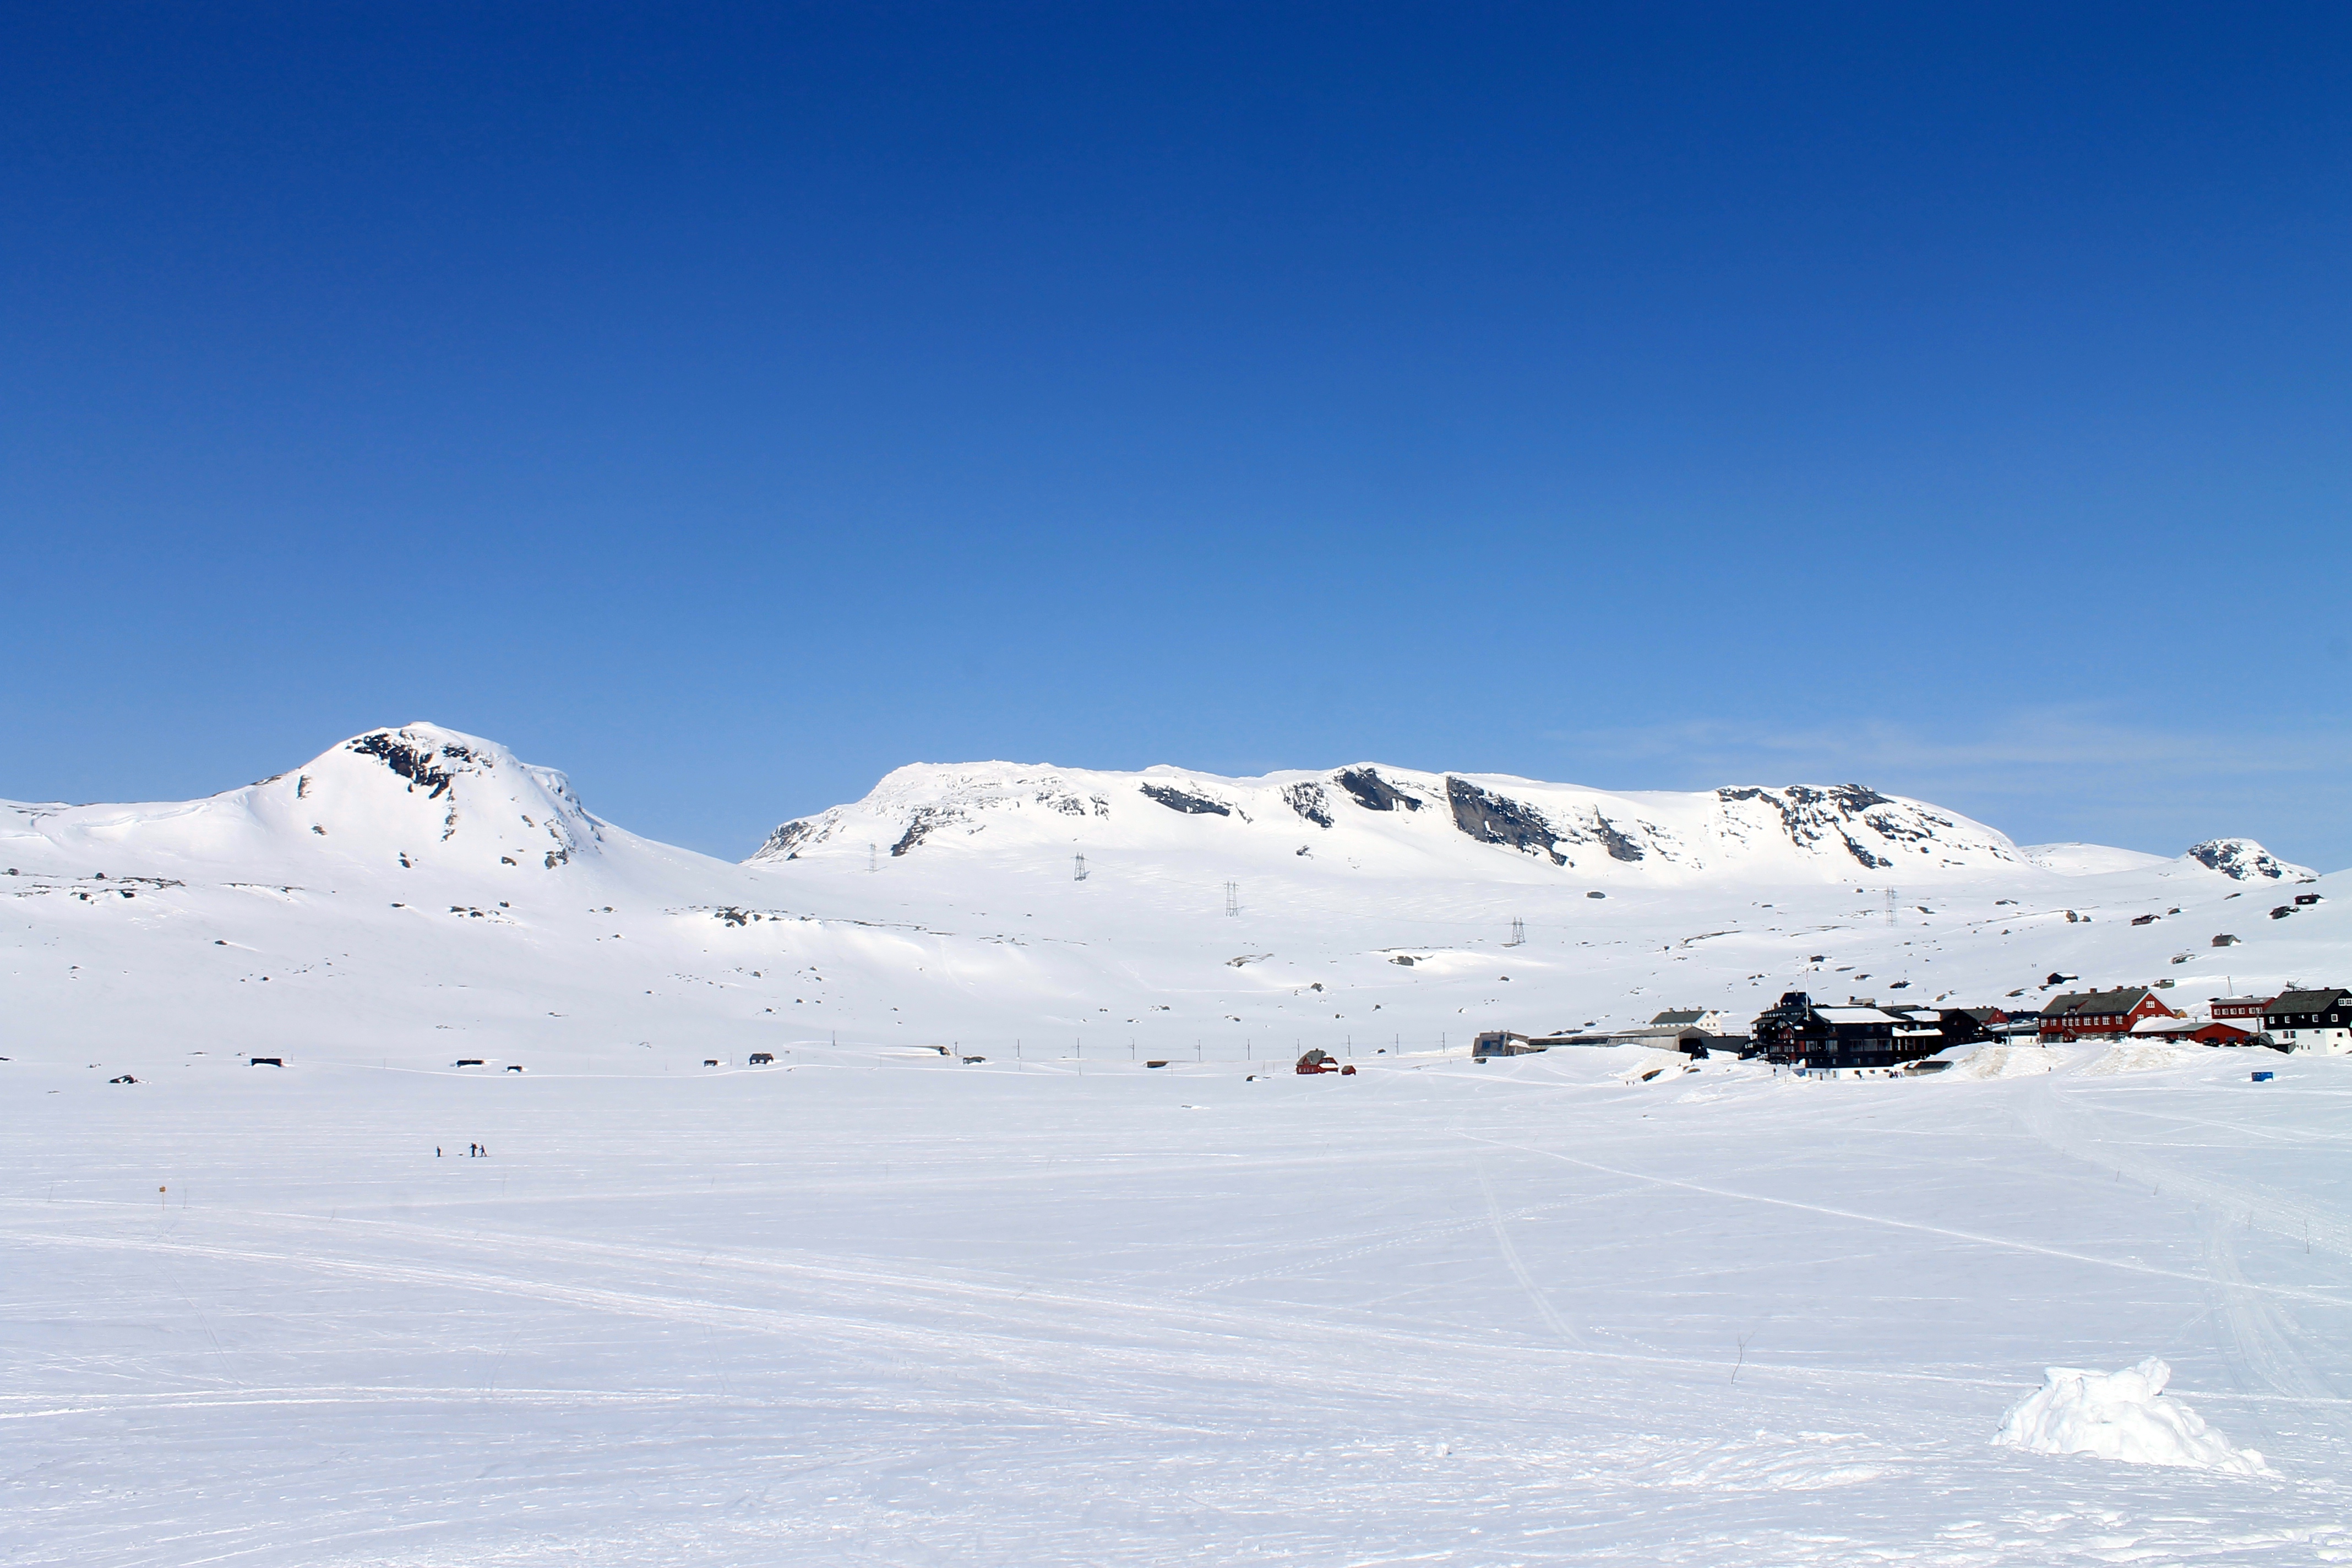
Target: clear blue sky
(727, 406)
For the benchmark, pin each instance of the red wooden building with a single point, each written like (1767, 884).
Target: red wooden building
(2099, 1014)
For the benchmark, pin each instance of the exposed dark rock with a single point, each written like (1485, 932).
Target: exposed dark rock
(1374, 792)
(1810, 816)
(417, 764)
(786, 842)
(1309, 802)
(1864, 856)
(927, 817)
(1620, 846)
(1175, 799)
(1497, 819)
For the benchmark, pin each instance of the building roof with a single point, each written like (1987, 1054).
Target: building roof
(2123, 999)
(2180, 1026)
(1855, 1015)
(1684, 1015)
(2244, 1001)
(2305, 1000)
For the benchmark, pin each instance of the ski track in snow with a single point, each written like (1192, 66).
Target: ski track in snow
(684, 1336)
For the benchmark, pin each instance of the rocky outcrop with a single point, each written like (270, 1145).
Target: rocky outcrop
(2243, 860)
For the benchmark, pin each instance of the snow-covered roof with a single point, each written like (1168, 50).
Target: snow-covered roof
(1855, 1015)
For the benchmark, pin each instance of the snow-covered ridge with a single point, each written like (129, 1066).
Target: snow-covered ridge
(2087, 859)
(1376, 814)
(418, 795)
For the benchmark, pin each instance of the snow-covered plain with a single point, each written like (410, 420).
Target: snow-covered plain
(875, 1303)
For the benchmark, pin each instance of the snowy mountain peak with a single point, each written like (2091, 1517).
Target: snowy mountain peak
(2244, 860)
(408, 797)
(1382, 817)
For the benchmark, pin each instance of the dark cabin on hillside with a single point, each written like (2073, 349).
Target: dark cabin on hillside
(1796, 1031)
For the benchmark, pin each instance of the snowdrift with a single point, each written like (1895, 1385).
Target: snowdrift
(2121, 1415)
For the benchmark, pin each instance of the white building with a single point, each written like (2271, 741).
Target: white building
(2314, 1022)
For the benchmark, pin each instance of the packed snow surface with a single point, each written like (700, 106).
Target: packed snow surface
(960, 1277)
(2121, 1415)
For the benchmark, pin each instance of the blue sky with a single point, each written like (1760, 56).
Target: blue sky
(727, 406)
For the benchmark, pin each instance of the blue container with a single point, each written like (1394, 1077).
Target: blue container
(2261, 1078)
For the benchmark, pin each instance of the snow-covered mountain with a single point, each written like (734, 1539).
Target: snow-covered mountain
(414, 890)
(420, 796)
(1403, 821)
(1013, 1248)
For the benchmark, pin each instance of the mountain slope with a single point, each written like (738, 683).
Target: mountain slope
(1397, 820)
(421, 893)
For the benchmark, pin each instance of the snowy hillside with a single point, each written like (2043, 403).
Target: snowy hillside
(1393, 821)
(417, 889)
(421, 796)
(1093, 1285)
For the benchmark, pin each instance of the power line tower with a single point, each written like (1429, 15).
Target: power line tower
(1233, 898)
(1518, 932)
(1079, 873)
(1890, 906)
(872, 864)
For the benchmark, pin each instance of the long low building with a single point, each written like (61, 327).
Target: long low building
(2095, 1015)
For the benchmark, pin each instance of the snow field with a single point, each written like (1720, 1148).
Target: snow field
(886, 1309)
(872, 1304)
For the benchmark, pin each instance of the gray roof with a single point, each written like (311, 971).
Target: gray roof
(2123, 999)
(1682, 1016)
(2305, 1000)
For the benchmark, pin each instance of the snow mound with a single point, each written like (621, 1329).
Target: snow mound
(2006, 1061)
(1652, 1065)
(2121, 1415)
(2139, 1056)
(2243, 860)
